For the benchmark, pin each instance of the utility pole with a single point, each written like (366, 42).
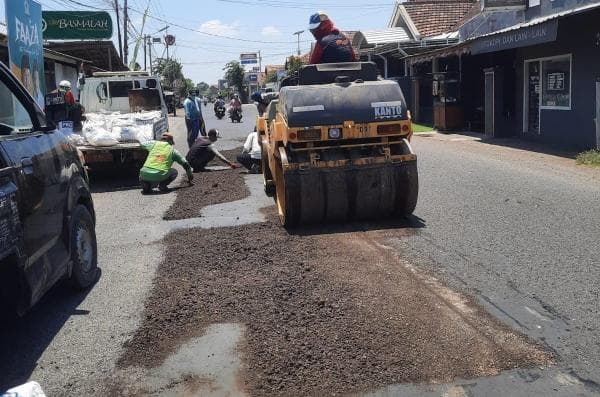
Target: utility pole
(125, 45)
(298, 33)
(145, 38)
(150, 53)
(119, 30)
(259, 63)
(166, 43)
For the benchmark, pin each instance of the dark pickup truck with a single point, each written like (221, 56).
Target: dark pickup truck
(47, 219)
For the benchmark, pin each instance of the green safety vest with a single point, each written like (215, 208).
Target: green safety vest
(160, 157)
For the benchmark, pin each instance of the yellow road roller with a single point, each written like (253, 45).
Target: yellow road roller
(336, 147)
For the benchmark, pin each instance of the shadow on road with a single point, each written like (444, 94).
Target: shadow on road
(408, 224)
(24, 339)
(529, 145)
(516, 143)
(114, 180)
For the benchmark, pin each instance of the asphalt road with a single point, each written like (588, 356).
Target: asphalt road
(516, 229)
(69, 343)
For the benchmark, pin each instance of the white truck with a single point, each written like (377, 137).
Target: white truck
(121, 110)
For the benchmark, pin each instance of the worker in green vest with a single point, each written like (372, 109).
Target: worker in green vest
(157, 168)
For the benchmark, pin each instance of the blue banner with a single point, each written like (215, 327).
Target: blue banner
(25, 45)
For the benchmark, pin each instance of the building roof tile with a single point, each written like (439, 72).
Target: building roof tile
(435, 17)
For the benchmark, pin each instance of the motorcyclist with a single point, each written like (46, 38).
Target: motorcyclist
(218, 103)
(235, 103)
(332, 45)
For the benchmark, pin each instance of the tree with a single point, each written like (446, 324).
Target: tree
(293, 64)
(172, 78)
(234, 74)
(202, 88)
(170, 70)
(271, 77)
(213, 91)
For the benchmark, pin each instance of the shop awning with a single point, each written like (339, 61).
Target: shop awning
(535, 31)
(373, 38)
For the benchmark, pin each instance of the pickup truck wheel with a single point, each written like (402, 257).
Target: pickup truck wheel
(84, 251)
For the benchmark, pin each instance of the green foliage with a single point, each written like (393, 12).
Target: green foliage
(293, 64)
(172, 78)
(234, 74)
(169, 70)
(591, 157)
(271, 77)
(213, 91)
(417, 128)
(202, 88)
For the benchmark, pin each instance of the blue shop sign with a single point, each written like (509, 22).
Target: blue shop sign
(521, 37)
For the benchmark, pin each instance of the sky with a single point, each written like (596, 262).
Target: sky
(210, 33)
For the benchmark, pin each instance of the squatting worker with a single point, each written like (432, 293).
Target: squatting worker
(251, 154)
(157, 168)
(203, 151)
(193, 117)
(332, 45)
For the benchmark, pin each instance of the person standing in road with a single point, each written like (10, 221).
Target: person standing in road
(157, 168)
(251, 154)
(203, 151)
(202, 128)
(192, 117)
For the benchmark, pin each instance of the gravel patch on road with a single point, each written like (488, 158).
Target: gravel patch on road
(324, 314)
(214, 187)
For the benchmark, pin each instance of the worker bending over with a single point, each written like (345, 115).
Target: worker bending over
(203, 151)
(157, 168)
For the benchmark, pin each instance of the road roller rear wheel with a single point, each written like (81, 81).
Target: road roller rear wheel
(280, 191)
(269, 184)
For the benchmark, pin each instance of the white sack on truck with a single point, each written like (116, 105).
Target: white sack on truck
(107, 129)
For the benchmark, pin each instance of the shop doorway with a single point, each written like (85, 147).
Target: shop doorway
(531, 114)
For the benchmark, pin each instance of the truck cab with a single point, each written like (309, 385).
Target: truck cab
(109, 91)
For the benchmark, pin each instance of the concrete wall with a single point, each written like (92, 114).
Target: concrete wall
(575, 128)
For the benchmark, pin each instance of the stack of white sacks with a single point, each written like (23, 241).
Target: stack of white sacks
(107, 129)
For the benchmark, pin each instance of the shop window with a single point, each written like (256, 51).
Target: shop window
(556, 82)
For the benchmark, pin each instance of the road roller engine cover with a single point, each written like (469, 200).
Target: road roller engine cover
(338, 148)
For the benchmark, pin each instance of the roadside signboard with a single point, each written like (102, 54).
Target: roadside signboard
(25, 46)
(249, 58)
(169, 40)
(253, 77)
(76, 25)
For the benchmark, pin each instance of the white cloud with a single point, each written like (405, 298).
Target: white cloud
(215, 26)
(270, 31)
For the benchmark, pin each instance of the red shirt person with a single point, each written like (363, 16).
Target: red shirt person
(332, 45)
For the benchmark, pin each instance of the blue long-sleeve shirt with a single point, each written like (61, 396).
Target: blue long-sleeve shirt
(192, 109)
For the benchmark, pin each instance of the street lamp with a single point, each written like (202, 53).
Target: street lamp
(298, 33)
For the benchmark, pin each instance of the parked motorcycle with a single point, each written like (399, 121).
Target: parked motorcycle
(235, 115)
(220, 112)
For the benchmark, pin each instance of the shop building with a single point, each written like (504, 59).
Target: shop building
(529, 70)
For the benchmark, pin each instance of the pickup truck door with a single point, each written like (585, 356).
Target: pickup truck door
(10, 224)
(42, 188)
